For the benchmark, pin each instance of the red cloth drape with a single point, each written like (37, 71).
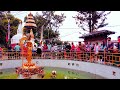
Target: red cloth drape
(119, 40)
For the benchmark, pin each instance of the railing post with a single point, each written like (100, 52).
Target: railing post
(2, 54)
(112, 60)
(90, 56)
(104, 56)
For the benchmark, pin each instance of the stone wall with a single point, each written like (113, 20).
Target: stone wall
(98, 69)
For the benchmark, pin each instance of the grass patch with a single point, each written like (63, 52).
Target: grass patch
(9, 76)
(61, 74)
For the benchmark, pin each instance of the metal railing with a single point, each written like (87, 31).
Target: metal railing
(102, 57)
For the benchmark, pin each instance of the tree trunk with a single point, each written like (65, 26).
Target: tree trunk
(90, 29)
(92, 19)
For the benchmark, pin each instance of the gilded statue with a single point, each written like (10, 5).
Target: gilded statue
(26, 47)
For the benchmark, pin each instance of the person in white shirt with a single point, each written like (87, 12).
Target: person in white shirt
(96, 50)
(34, 48)
(39, 51)
(54, 50)
(49, 47)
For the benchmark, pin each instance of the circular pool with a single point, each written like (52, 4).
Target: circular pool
(62, 73)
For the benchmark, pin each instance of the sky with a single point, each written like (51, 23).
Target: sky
(69, 31)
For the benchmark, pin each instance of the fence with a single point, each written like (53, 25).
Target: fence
(106, 58)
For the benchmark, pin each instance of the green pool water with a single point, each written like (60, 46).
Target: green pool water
(61, 74)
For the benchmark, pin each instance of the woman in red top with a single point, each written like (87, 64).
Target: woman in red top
(72, 51)
(1, 52)
(72, 47)
(24, 51)
(78, 50)
(0, 49)
(45, 47)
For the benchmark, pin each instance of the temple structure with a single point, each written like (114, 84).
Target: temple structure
(29, 23)
(30, 26)
(97, 36)
(15, 39)
(29, 68)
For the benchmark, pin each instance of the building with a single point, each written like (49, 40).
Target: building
(15, 39)
(97, 36)
(30, 23)
(28, 27)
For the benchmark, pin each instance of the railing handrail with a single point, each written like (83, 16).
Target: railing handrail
(107, 58)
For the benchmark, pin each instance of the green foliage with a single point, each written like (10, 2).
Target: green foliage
(9, 76)
(91, 20)
(61, 74)
(50, 22)
(54, 20)
(52, 34)
(4, 27)
(59, 42)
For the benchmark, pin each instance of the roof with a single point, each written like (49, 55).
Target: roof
(30, 24)
(30, 20)
(31, 17)
(101, 32)
(30, 14)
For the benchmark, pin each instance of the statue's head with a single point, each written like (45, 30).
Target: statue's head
(29, 44)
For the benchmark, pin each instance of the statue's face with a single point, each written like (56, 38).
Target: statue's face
(29, 44)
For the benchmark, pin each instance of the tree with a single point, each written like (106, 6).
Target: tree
(51, 23)
(2, 14)
(54, 20)
(91, 21)
(4, 26)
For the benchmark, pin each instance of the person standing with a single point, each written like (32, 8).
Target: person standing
(39, 51)
(72, 50)
(1, 52)
(103, 49)
(45, 47)
(68, 47)
(54, 51)
(34, 48)
(49, 47)
(72, 47)
(96, 50)
(109, 45)
(9, 48)
(17, 49)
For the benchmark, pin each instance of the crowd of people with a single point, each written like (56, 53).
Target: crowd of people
(81, 47)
